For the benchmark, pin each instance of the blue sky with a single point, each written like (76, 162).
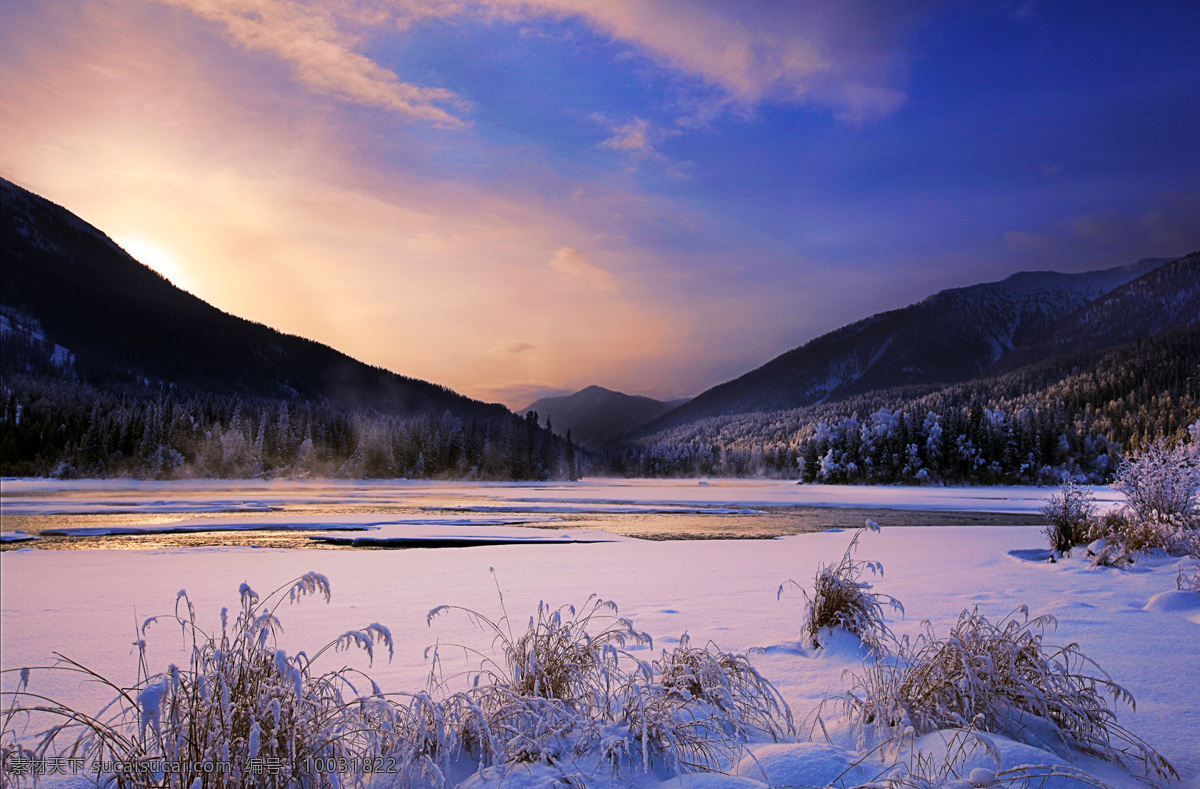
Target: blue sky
(518, 198)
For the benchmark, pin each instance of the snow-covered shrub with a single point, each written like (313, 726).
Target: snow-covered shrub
(840, 598)
(556, 657)
(693, 708)
(1004, 679)
(567, 687)
(1188, 583)
(1160, 487)
(541, 692)
(241, 713)
(1125, 535)
(1161, 480)
(1069, 513)
(725, 681)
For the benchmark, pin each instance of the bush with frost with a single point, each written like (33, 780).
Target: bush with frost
(567, 686)
(242, 713)
(1002, 678)
(694, 709)
(1118, 538)
(1161, 481)
(840, 598)
(1069, 515)
(1160, 486)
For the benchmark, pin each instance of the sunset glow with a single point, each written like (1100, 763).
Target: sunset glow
(521, 198)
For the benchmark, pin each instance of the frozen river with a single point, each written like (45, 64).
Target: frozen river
(124, 514)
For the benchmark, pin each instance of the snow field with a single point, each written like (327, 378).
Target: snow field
(84, 604)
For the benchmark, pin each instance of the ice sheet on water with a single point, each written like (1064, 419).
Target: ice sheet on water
(617, 509)
(291, 523)
(448, 535)
(17, 536)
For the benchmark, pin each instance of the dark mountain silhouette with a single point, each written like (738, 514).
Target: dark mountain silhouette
(598, 417)
(126, 326)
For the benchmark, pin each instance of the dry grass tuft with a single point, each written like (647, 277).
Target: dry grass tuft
(1004, 679)
(841, 599)
(263, 718)
(566, 687)
(694, 709)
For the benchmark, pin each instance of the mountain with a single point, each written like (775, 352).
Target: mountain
(598, 417)
(1076, 414)
(954, 335)
(122, 325)
(1164, 299)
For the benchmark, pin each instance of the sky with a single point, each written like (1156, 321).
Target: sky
(522, 198)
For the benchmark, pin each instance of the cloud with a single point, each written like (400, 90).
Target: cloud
(1022, 241)
(863, 103)
(1106, 228)
(846, 55)
(323, 57)
(1166, 225)
(573, 263)
(513, 348)
(273, 212)
(633, 137)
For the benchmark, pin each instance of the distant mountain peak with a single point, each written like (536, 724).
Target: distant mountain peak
(597, 417)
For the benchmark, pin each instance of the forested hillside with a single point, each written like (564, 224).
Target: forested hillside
(107, 369)
(124, 324)
(952, 336)
(53, 423)
(1070, 415)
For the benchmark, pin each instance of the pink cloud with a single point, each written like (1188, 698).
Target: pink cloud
(310, 41)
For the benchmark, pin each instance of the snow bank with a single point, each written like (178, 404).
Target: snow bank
(84, 604)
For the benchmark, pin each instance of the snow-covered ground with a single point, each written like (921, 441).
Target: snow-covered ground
(84, 604)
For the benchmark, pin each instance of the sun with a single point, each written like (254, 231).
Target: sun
(151, 254)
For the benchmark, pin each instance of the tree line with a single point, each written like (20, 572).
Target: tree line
(1073, 416)
(54, 424)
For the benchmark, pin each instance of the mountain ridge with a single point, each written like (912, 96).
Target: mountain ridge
(126, 323)
(948, 337)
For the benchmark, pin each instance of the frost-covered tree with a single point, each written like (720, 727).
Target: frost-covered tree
(1162, 480)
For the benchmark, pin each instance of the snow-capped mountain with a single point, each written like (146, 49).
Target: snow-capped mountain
(951, 336)
(1164, 299)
